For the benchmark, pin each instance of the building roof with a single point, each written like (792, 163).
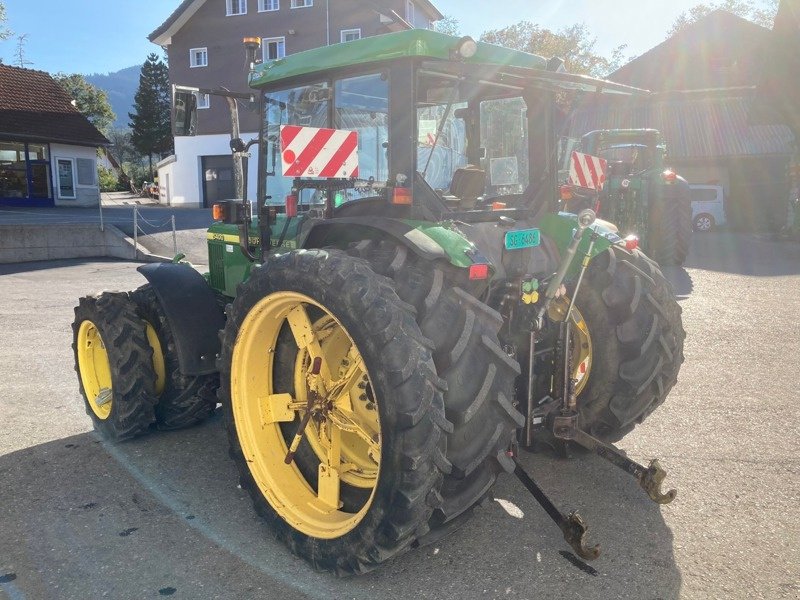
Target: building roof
(187, 8)
(701, 124)
(719, 50)
(33, 106)
(778, 99)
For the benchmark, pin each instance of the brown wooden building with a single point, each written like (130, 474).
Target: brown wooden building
(704, 78)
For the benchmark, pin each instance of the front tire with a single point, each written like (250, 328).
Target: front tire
(114, 363)
(670, 225)
(328, 506)
(183, 400)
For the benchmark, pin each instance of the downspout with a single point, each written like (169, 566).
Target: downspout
(328, 21)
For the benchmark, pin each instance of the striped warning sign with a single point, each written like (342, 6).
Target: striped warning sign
(315, 152)
(587, 171)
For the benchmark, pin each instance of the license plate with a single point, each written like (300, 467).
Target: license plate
(523, 238)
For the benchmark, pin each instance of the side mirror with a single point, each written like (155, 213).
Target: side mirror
(184, 114)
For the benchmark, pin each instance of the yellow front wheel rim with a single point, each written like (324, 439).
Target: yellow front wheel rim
(344, 431)
(95, 370)
(581, 341)
(159, 366)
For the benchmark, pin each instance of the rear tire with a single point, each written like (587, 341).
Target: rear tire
(185, 400)
(403, 385)
(637, 339)
(114, 363)
(480, 376)
(670, 226)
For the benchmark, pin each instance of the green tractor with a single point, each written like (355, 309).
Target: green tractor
(641, 195)
(403, 309)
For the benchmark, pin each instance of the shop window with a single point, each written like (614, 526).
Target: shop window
(13, 170)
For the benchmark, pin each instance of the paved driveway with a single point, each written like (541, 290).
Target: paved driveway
(163, 516)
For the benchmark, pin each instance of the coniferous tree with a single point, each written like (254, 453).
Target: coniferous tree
(150, 122)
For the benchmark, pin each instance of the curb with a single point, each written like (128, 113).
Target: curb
(29, 243)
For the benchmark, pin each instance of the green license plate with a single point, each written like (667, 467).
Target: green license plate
(523, 238)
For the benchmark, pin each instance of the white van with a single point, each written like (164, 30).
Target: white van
(708, 208)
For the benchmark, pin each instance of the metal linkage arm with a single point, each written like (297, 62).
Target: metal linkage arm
(650, 478)
(572, 525)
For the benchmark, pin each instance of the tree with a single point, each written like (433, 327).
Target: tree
(92, 102)
(150, 122)
(5, 32)
(759, 12)
(449, 25)
(19, 57)
(574, 44)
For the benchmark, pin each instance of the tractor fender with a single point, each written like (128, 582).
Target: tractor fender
(334, 232)
(192, 313)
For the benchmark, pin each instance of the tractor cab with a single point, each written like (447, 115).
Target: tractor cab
(412, 126)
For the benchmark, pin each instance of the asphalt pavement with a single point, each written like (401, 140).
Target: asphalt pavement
(163, 515)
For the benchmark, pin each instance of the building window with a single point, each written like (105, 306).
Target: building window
(203, 101)
(411, 12)
(236, 7)
(24, 175)
(350, 35)
(66, 178)
(273, 48)
(87, 171)
(268, 5)
(302, 3)
(198, 57)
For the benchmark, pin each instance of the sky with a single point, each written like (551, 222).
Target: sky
(101, 36)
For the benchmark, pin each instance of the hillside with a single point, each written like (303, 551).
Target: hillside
(121, 88)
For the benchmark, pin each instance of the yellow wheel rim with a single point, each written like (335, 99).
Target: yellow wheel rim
(159, 365)
(340, 352)
(344, 431)
(95, 370)
(581, 341)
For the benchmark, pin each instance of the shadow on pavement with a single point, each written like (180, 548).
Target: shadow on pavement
(680, 280)
(744, 254)
(84, 518)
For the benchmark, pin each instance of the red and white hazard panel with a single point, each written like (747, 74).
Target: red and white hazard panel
(314, 152)
(587, 171)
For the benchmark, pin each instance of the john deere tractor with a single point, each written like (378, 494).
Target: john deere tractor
(641, 195)
(402, 310)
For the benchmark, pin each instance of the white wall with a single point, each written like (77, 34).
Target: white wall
(186, 177)
(86, 195)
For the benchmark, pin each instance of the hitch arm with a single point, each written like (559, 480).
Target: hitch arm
(572, 525)
(650, 478)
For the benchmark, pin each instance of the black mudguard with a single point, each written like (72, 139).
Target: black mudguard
(192, 313)
(335, 232)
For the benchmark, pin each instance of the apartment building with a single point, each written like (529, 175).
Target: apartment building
(203, 40)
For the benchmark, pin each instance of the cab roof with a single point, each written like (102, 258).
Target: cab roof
(430, 45)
